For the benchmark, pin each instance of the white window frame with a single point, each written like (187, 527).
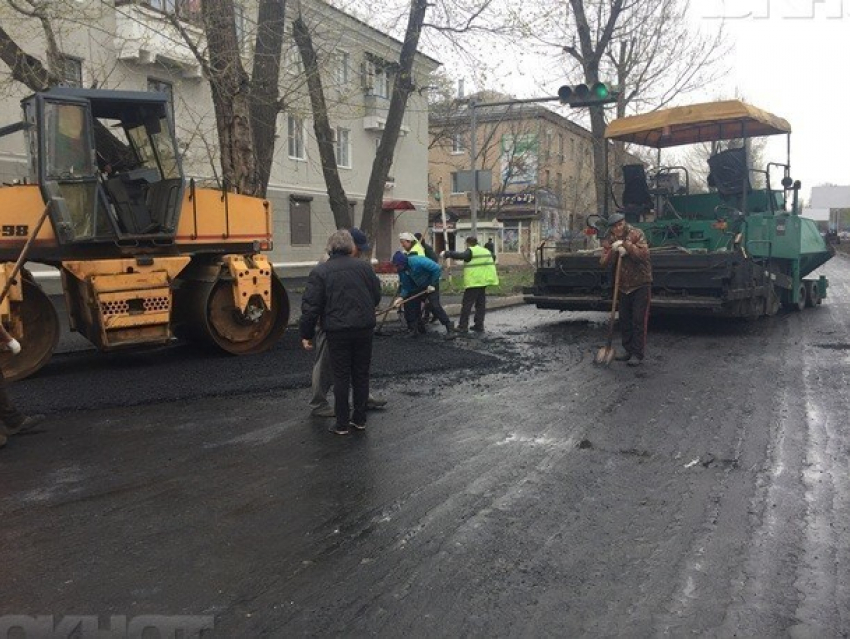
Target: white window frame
(453, 178)
(343, 147)
(457, 144)
(382, 83)
(295, 137)
(295, 66)
(343, 68)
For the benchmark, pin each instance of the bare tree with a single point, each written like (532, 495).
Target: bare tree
(648, 47)
(402, 88)
(321, 123)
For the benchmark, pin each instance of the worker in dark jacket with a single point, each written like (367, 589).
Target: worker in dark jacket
(343, 293)
(627, 243)
(417, 274)
(479, 272)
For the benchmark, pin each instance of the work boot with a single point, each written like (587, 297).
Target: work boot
(420, 327)
(635, 361)
(29, 422)
(625, 356)
(323, 411)
(375, 402)
(461, 330)
(478, 329)
(451, 333)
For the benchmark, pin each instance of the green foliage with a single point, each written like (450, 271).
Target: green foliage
(511, 282)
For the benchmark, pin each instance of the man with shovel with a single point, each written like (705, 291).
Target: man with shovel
(629, 245)
(417, 275)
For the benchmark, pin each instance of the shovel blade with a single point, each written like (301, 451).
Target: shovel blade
(605, 355)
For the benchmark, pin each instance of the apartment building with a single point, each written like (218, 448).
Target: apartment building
(535, 175)
(132, 45)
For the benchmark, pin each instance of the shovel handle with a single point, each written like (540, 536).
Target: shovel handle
(614, 301)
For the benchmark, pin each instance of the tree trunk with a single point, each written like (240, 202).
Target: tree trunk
(230, 93)
(321, 126)
(402, 88)
(265, 80)
(25, 68)
(589, 56)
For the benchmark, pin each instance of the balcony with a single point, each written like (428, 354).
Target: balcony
(144, 34)
(375, 118)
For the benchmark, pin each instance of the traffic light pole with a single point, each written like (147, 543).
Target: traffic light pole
(473, 148)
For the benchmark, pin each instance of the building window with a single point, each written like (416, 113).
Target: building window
(457, 143)
(295, 65)
(239, 19)
(343, 148)
(560, 147)
(296, 137)
(160, 86)
(299, 217)
(455, 187)
(572, 148)
(382, 83)
(547, 178)
(343, 64)
(188, 10)
(72, 72)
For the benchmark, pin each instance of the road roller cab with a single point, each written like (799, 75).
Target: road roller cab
(144, 255)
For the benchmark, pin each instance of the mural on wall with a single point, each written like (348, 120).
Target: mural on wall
(519, 159)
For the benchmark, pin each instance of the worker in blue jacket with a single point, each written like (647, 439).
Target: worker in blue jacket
(418, 274)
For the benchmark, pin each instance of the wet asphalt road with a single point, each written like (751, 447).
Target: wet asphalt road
(511, 487)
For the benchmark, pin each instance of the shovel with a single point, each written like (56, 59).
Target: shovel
(392, 307)
(606, 353)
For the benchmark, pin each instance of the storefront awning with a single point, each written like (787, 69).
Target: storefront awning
(397, 205)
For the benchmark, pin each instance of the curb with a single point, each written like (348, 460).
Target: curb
(452, 310)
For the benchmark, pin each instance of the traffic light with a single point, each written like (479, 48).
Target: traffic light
(583, 95)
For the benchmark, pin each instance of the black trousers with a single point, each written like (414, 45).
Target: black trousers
(477, 296)
(9, 415)
(413, 309)
(351, 358)
(634, 314)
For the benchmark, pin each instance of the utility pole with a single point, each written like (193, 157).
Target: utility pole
(473, 152)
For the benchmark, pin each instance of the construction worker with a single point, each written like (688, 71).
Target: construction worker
(14, 421)
(418, 274)
(322, 374)
(409, 244)
(428, 316)
(629, 245)
(427, 249)
(479, 272)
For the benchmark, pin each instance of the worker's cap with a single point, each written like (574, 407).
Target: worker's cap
(399, 259)
(360, 239)
(418, 236)
(409, 237)
(614, 218)
(472, 240)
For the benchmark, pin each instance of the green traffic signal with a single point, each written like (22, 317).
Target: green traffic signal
(582, 95)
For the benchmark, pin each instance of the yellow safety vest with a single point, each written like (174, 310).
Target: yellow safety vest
(481, 269)
(416, 249)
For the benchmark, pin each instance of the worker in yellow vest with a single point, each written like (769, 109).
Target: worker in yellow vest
(479, 272)
(410, 245)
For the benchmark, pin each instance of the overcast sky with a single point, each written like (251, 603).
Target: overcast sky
(789, 57)
(792, 58)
